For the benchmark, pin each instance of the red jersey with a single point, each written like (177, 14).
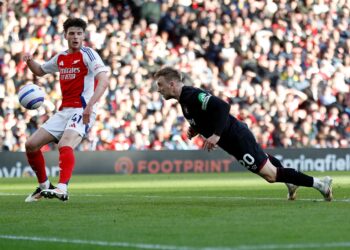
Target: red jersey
(77, 75)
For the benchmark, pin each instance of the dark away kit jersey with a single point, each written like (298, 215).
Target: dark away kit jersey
(208, 115)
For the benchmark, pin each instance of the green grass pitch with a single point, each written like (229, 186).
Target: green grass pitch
(175, 212)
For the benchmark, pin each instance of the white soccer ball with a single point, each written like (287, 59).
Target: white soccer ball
(31, 96)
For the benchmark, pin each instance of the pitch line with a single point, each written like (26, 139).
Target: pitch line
(232, 198)
(9, 194)
(92, 242)
(191, 197)
(326, 245)
(169, 247)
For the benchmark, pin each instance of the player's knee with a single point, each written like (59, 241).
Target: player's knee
(268, 172)
(64, 143)
(30, 146)
(60, 145)
(269, 178)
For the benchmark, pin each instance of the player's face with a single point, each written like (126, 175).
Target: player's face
(165, 88)
(75, 37)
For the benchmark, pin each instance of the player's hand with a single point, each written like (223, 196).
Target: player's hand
(29, 50)
(86, 114)
(191, 133)
(211, 142)
(27, 57)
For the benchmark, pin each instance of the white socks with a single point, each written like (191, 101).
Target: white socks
(62, 186)
(44, 185)
(318, 184)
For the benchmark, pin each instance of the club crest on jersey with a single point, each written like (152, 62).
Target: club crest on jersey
(61, 63)
(204, 98)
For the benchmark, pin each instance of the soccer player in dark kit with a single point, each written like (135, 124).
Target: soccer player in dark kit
(209, 116)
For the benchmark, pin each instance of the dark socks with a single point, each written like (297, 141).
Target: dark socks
(290, 175)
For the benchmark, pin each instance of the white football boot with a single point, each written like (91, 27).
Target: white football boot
(36, 195)
(55, 193)
(326, 189)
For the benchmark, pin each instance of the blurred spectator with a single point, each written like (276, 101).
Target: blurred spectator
(284, 66)
(150, 11)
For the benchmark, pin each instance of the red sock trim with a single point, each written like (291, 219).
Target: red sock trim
(66, 163)
(37, 162)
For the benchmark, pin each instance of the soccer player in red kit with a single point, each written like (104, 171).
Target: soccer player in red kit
(83, 80)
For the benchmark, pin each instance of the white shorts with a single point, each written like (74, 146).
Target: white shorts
(68, 118)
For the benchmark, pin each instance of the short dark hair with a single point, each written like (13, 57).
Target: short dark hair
(169, 74)
(74, 22)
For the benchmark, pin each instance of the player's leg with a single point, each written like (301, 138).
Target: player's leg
(36, 160)
(273, 171)
(66, 145)
(73, 134)
(269, 172)
(249, 153)
(69, 141)
(292, 188)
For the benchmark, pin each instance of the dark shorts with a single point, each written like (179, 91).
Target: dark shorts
(243, 146)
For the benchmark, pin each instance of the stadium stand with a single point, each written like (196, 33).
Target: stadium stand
(284, 66)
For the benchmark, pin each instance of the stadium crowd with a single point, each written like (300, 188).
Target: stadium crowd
(284, 66)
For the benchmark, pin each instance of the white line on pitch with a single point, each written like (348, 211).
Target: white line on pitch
(190, 197)
(9, 194)
(170, 247)
(325, 245)
(93, 242)
(230, 198)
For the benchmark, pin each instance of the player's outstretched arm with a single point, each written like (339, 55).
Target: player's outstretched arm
(33, 65)
(100, 89)
(219, 111)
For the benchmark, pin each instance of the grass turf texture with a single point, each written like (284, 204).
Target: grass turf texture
(179, 211)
